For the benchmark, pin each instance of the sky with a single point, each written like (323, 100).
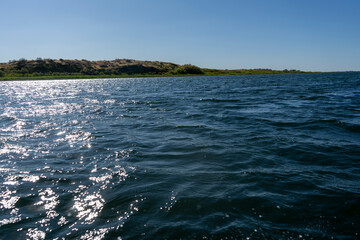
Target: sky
(310, 35)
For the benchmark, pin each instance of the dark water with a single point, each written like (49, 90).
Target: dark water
(233, 157)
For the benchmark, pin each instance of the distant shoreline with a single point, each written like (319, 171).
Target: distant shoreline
(51, 69)
(65, 77)
(75, 77)
(59, 69)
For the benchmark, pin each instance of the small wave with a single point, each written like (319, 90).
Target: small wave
(317, 124)
(219, 100)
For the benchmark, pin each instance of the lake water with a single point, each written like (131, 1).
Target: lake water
(223, 157)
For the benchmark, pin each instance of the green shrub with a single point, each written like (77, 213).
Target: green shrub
(189, 69)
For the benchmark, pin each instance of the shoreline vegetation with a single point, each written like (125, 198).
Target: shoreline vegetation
(47, 69)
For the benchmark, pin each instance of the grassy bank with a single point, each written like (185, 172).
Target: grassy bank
(79, 76)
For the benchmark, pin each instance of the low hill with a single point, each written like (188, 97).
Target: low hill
(60, 68)
(118, 66)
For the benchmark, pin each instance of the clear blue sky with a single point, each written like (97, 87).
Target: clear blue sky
(318, 35)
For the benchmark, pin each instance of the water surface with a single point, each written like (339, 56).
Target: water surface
(231, 157)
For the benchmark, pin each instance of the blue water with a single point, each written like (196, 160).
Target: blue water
(230, 157)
